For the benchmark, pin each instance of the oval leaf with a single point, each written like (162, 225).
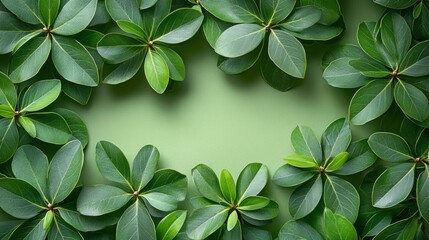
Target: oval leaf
(156, 71)
(40, 95)
(74, 17)
(108, 199)
(390, 147)
(170, 225)
(136, 223)
(251, 181)
(50, 127)
(340, 196)
(144, 166)
(305, 142)
(205, 221)
(305, 198)
(289, 176)
(9, 139)
(207, 183)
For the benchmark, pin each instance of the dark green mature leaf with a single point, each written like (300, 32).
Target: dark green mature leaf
(403, 229)
(251, 181)
(9, 139)
(11, 31)
(416, 62)
(113, 164)
(144, 166)
(68, 53)
(156, 71)
(207, 183)
(361, 157)
(256, 233)
(263, 214)
(169, 182)
(50, 127)
(234, 233)
(78, 93)
(340, 196)
(76, 125)
(26, 10)
(336, 138)
(40, 95)
(395, 35)
(176, 66)
(147, 4)
(274, 11)
(25, 39)
(289, 176)
(344, 50)
(117, 48)
(330, 10)
(29, 59)
(205, 221)
(366, 37)
(31, 165)
(390, 147)
(412, 101)
(7, 228)
(74, 17)
(422, 143)
(298, 230)
(239, 64)
(61, 231)
(319, 32)
(239, 40)
(8, 94)
(107, 200)
(179, 26)
(302, 18)
(49, 10)
(376, 224)
(287, 53)
(301, 161)
(160, 201)
(422, 193)
(154, 15)
(393, 185)
(305, 142)
(31, 229)
(19, 199)
(274, 76)
(6, 111)
(337, 226)
(126, 10)
(371, 101)
(370, 68)
(233, 11)
(85, 223)
(116, 74)
(227, 186)
(213, 28)
(136, 223)
(341, 74)
(170, 225)
(305, 198)
(396, 4)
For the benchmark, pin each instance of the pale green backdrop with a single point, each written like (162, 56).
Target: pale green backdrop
(220, 120)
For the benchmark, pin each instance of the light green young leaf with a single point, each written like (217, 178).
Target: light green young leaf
(227, 185)
(232, 221)
(305, 142)
(50, 127)
(205, 221)
(40, 95)
(49, 10)
(9, 139)
(235, 233)
(251, 181)
(74, 17)
(390, 147)
(28, 126)
(144, 166)
(301, 161)
(412, 101)
(156, 71)
(108, 199)
(254, 203)
(132, 28)
(305, 198)
(337, 162)
(170, 225)
(6, 111)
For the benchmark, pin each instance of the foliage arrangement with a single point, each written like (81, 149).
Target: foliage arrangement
(49, 47)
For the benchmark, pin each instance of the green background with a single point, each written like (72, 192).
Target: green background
(220, 120)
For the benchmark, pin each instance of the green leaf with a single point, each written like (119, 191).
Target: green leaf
(370, 68)
(213, 28)
(84, 223)
(78, 93)
(274, 11)
(126, 10)
(235, 233)
(19, 199)
(319, 32)
(239, 64)
(179, 26)
(40, 95)
(330, 10)
(422, 193)
(136, 223)
(396, 4)
(298, 230)
(412, 101)
(302, 18)
(116, 74)
(76, 125)
(132, 28)
(6, 111)
(31, 165)
(176, 66)
(422, 143)
(305, 198)
(254, 203)
(113, 164)
(117, 48)
(169, 182)
(64, 171)
(107, 200)
(366, 37)
(239, 40)
(147, 4)
(232, 221)
(170, 225)
(50, 127)
(256, 233)
(416, 62)
(336, 138)
(29, 59)
(340, 196)
(274, 76)
(8, 94)
(160, 201)
(61, 231)
(390, 147)
(74, 17)
(28, 126)
(376, 224)
(395, 35)
(227, 186)
(417, 10)
(68, 53)
(205, 221)
(287, 53)
(7, 228)
(341, 74)
(9, 139)
(263, 214)
(393, 185)
(301, 161)
(305, 142)
(144, 166)
(49, 10)
(156, 71)
(207, 183)
(31, 229)
(12, 31)
(154, 15)
(47, 221)
(338, 227)
(403, 229)
(371, 101)
(235, 11)
(289, 176)
(337, 162)
(341, 51)
(251, 181)
(26, 10)
(361, 158)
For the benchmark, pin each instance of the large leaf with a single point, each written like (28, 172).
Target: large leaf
(371, 101)
(274, 76)
(68, 53)
(170, 225)
(107, 200)
(302, 18)
(274, 11)
(412, 101)
(11, 31)
(287, 53)
(305, 142)
(117, 48)
(213, 28)
(207, 183)
(340, 196)
(49, 10)
(361, 157)
(376, 223)
(31, 229)
(40, 95)
(76, 125)
(144, 166)
(85, 223)
(396, 4)
(176, 66)
(64, 171)
(8, 94)
(156, 71)
(169, 182)
(62, 231)
(390, 147)
(289, 176)
(50, 127)
(126, 10)
(336, 138)
(74, 17)
(339, 73)
(113, 164)
(403, 229)
(79, 93)
(179, 26)
(305, 198)
(31, 165)
(26, 10)
(251, 181)
(9, 139)
(395, 35)
(19, 199)
(205, 221)
(393, 185)
(233, 11)
(239, 40)
(29, 59)
(330, 10)
(239, 64)
(297, 230)
(263, 214)
(366, 37)
(136, 223)
(422, 193)
(416, 62)
(337, 226)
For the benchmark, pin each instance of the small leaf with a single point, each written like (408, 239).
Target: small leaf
(235, 233)
(366, 37)
(336, 138)
(337, 226)
(301, 161)
(302, 18)
(232, 221)
(390, 147)
(227, 185)
(340, 196)
(305, 142)
(74, 17)
(254, 203)
(48, 220)
(412, 101)
(161, 201)
(136, 223)
(297, 230)
(116, 74)
(156, 71)
(49, 10)
(289, 176)
(263, 214)
(207, 183)
(170, 225)
(117, 48)
(8, 94)
(144, 166)
(205, 221)
(6, 111)
(305, 198)
(237, 11)
(169, 182)
(361, 158)
(40, 95)
(107, 200)
(50, 127)
(251, 181)
(9, 139)
(337, 162)
(319, 32)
